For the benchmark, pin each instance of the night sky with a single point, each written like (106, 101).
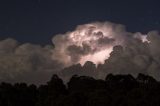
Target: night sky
(37, 21)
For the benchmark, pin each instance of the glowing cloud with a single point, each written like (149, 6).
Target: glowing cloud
(100, 42)
(89, 42)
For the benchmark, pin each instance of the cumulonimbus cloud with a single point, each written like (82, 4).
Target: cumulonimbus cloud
(111, 48)
(108, 45)
(91, 42)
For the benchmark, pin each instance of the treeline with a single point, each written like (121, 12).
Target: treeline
(115, 90)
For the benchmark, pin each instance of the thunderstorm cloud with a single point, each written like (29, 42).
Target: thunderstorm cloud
(93, 49)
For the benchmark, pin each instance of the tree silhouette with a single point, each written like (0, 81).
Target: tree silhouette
(115, 90)
(49, 93)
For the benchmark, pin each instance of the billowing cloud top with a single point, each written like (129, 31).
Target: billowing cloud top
(89, 42)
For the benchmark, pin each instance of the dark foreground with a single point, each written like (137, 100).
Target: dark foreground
(115, 90)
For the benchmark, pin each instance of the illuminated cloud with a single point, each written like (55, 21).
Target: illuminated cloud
(109, 47)
(92, 42)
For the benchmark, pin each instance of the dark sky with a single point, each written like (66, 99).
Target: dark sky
(37, 21)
